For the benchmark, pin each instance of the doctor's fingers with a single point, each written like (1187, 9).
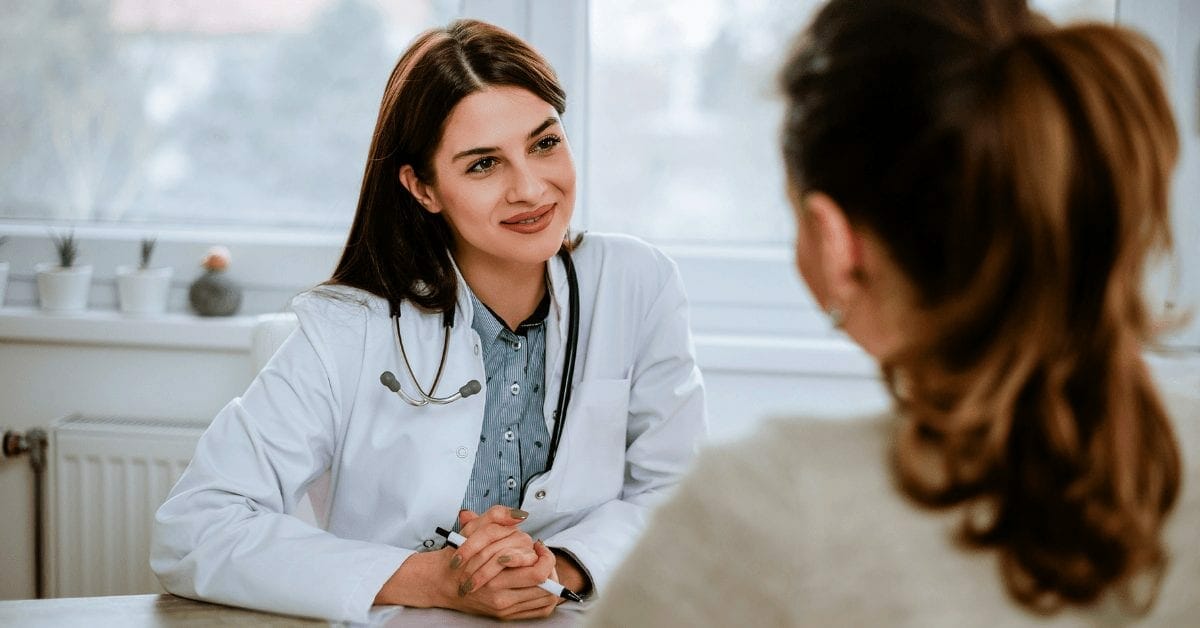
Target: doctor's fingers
(531, 576)
(540, 606)
(501, 515)
(479, 541)
(505, 603)
(491, 569)
(486, 562)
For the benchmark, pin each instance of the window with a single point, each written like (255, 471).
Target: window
(222, 112)
(684, 119)
(196, 112)
(683, 132)
(682, 147)
(247, 124)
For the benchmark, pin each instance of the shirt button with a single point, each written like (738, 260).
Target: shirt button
(511, 483)
(476, 349)
(508, 436)
(515, 389)
(427, 543)
(461, 452)
(540, 494)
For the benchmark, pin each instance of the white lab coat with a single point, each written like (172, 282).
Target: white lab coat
(317, 417)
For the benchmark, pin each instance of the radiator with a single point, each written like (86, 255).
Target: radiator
(107, 478)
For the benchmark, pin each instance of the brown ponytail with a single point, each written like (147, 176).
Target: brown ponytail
(1019, 175)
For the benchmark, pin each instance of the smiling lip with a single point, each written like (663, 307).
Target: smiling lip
(531, 221)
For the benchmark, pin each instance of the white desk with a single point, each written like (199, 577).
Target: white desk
(169, 611)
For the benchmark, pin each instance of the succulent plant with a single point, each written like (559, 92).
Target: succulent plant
(147, 251)
(67, 247)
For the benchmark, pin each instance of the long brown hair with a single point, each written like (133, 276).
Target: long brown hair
(1018, 174)
(396, 249)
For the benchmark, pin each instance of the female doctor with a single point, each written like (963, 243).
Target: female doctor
(467, 367)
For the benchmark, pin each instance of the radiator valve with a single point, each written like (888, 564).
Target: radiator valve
(33, 442)
(14, 444)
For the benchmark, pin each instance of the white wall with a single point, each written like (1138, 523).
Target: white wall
(41, 382)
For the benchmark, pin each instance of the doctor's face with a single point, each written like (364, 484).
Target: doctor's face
(503, 178)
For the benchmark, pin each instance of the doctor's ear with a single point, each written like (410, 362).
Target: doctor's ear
(419, 189)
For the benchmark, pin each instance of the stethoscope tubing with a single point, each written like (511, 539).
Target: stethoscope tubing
(568, 376)
(424, 398)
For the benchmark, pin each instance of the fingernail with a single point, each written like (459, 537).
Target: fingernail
(503, 560)
(465, 588)
(456, 561)
(517, 513)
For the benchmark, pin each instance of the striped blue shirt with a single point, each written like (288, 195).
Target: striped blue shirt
(514, 442)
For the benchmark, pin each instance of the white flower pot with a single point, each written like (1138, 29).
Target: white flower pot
(63, 289)
(3, 281)
(143, 291)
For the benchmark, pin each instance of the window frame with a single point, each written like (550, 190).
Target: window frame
(750, 311)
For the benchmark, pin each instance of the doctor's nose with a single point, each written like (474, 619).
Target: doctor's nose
(525, 186)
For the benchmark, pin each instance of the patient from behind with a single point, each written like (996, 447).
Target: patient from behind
(978, 194)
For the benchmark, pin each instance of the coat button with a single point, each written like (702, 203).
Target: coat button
(540, 494)
(427, 544)
(509, 436)
(515, 389)
(517, 345)
(511, 483)
(461, 452)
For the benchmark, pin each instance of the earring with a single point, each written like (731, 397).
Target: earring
(837, 317)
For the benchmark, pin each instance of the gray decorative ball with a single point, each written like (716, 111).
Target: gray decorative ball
(214, 294)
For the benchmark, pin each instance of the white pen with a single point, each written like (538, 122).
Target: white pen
(455, 540)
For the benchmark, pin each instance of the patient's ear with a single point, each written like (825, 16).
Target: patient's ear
(419, 189)
(840, 250)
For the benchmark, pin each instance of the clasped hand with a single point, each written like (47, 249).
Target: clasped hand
(497, 571)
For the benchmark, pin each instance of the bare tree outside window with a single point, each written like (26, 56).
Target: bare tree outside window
(213, 112)
(683, 134)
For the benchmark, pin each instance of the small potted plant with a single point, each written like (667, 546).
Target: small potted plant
(213, 293)
(64, 287)
(142, 290)
(3, 272)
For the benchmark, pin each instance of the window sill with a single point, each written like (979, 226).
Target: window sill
(784, 355)
(111, 328)
(772, 355)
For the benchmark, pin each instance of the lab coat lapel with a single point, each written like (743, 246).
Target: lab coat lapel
(556, 336)
(556, 328)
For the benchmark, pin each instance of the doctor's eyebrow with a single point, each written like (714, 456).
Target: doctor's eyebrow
(483, 150)
(547, 123)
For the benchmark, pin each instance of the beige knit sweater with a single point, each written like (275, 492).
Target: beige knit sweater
(800, 526)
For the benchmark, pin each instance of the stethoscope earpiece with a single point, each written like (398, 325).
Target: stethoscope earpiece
(470, 388)
(391, 383)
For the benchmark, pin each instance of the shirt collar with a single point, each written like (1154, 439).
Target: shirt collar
(490, 326)
(556, 280)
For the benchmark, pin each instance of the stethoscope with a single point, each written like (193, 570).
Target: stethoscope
(472, 387)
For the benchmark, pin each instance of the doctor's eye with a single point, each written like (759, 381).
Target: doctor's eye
(546, 144)
(483, 165)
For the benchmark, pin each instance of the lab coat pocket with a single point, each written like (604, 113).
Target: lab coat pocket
(594, 437)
